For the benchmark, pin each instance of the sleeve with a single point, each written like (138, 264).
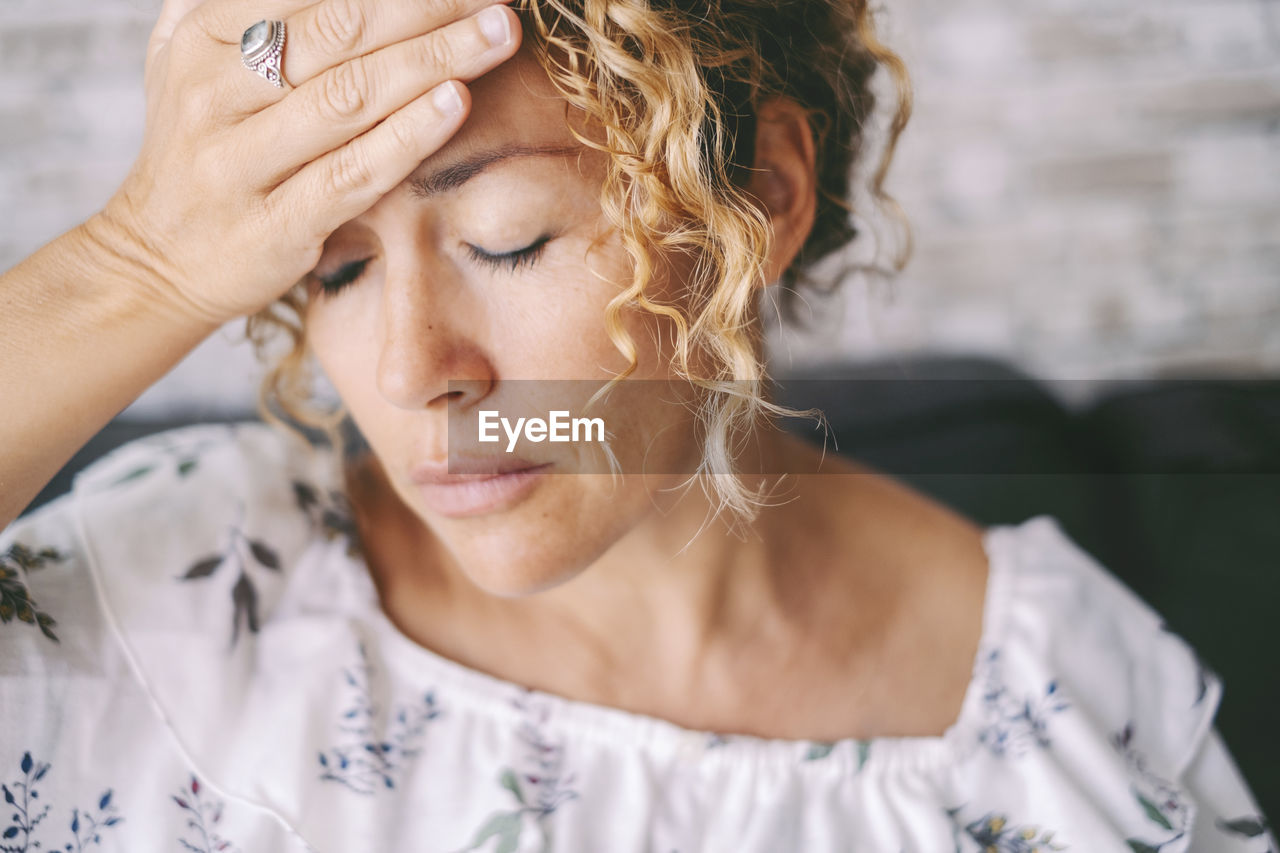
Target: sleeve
(1139, 688)
(53, 658)
(1229, 818)
(88, 759)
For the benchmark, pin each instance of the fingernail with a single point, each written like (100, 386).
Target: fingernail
(447, 100)
(494, 25)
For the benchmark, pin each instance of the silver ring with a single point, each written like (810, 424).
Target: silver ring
(262, 50)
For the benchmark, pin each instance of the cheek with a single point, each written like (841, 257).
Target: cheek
(334, 341)
(572, 322)
(542, 546)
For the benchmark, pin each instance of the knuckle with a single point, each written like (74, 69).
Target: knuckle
(203, 164)
(344, 93)
(402, 133)
(272, 215)
(340, 26)
(435, 51)
(190, 34)
(453, 10)
(200, 103)
(197, 28)
(350, 171)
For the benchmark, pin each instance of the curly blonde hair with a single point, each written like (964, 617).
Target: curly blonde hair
(675, 86)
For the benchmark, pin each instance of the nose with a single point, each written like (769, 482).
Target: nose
(425, 344)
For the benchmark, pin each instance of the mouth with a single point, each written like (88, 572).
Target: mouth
(489, 486)
(460, 468)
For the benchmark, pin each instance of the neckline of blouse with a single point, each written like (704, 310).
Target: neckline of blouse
(509, 701)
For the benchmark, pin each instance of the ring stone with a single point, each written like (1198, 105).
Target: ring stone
(262, 47)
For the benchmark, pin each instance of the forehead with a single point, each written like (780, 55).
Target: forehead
(513, 106)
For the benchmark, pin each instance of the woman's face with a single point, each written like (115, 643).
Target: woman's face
(433, 305)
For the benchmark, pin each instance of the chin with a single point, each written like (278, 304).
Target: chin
(523, 585)
(516, 569)
(531, 548)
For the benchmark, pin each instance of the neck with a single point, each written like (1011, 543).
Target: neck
(678, 597)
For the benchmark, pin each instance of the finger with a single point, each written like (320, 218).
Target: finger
(343, 102)
(325, 34)
(239, 90)
(345, 183)
(335, 31)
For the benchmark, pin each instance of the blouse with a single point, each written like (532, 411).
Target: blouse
(193, 657)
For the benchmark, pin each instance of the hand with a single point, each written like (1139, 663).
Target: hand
(238, 183)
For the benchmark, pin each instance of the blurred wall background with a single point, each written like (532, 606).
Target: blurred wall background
(1094, 186)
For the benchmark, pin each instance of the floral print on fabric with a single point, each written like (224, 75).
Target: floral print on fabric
(540, 786)
(15, 597)
(411, 750)
(1160, 801)
(330, 513)
(993, 833)
(820, 749)
(374, 748)
(1250, 826)
(203, 814)
(28, 830)
(1014, 721)
(246, 557)
(182, 451)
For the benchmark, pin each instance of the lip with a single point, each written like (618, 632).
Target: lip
(480, 487)
(466, 469)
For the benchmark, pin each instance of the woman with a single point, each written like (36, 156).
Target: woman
(225, 639)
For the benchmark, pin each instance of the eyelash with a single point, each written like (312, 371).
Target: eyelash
(508, 261)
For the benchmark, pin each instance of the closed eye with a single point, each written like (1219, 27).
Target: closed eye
(509, 261)
(346, 274)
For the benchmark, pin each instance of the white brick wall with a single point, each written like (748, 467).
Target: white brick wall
(1094, 184)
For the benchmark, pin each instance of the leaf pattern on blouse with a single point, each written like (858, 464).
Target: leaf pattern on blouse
(993, 833)
(241, 555)
(1160, 801)
(373, 751)
(330, 513)
(1249, 826)
(203, 814)
(820, 749)
(540, 786)
(183, 452)
(15, 597)
(25, 832)
(1013, 722)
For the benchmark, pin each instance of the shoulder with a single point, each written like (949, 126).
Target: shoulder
(924, 573)
(75, 725)
(189, 478)
(1063, 624)
(193, 506)
(177, 520)
(1086, 712)
(240, 457)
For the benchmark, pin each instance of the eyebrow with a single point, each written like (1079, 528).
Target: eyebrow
(451, 177)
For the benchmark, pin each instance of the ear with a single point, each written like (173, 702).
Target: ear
(784, 179)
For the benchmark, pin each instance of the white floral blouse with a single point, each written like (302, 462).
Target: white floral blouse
(192, 657)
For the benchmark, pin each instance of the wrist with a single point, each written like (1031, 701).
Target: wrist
(123, 254)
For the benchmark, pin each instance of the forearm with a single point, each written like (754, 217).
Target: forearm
(85, 328)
